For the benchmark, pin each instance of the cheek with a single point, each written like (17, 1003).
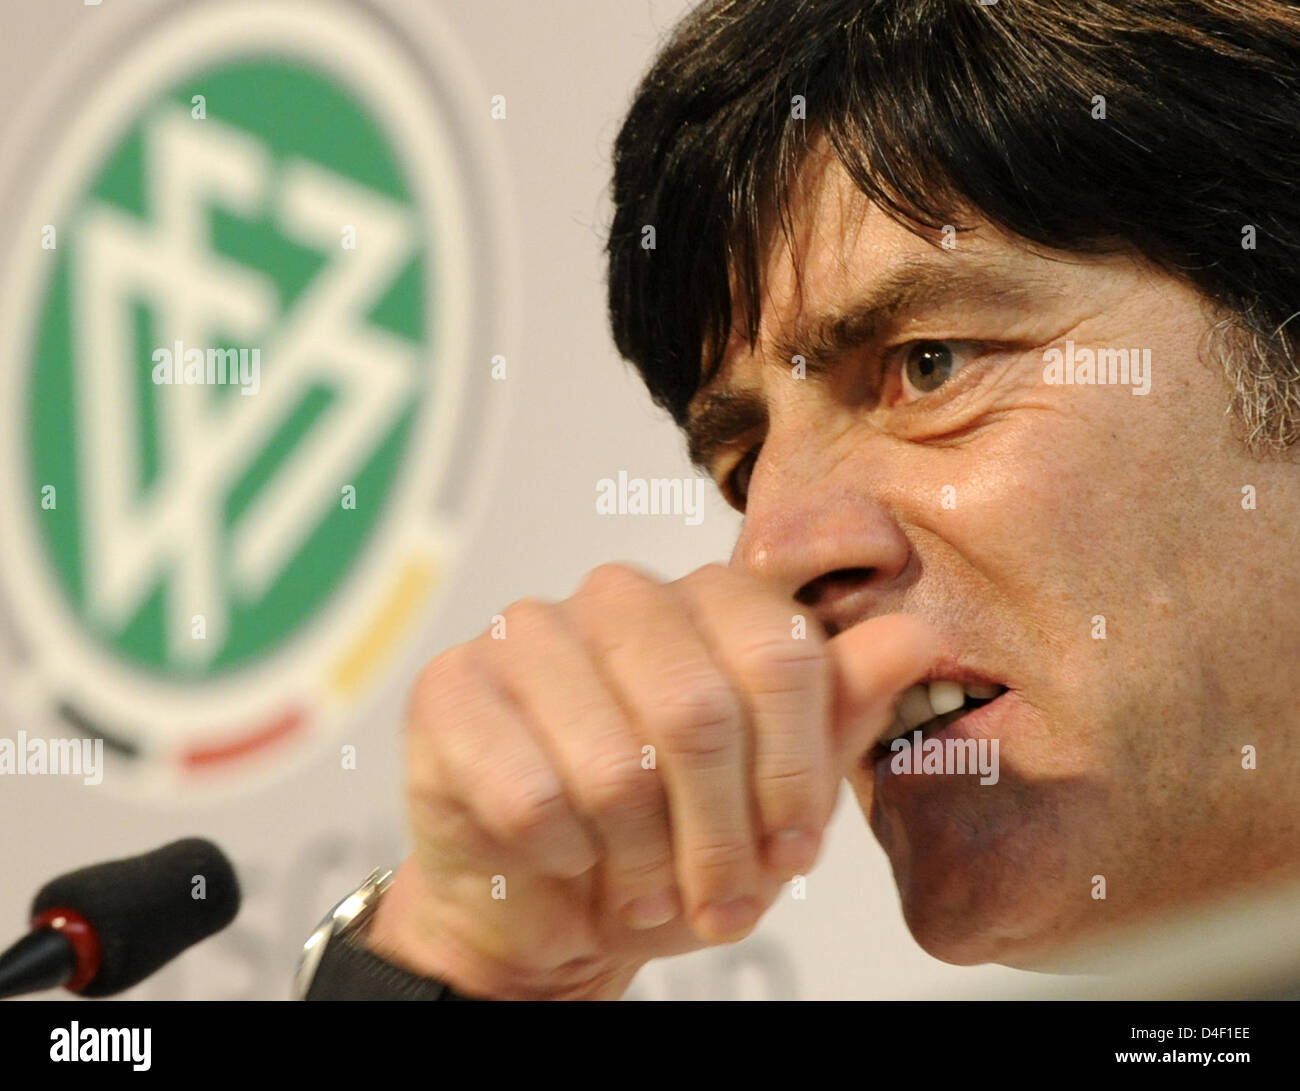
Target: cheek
(1060, 536)
(1040, 508)
(1078, 496)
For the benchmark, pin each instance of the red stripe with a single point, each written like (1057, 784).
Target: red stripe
(200, 757)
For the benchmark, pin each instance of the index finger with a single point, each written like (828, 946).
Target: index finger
(780, 672)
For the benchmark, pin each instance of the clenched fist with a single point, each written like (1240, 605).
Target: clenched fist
(628, 774)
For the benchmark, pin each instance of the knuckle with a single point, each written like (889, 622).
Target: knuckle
(653, 869)
(713, 574)
(718, 858)
(468, 764)
(780, 663)
(711, 581)
(445, 682)
(448, 666)
(716, 578)
(795, 787)
(528, 806)
(617, 786)
(615, 581)
(699, 719)
(451, 829)
(788, 775)
(528, 616)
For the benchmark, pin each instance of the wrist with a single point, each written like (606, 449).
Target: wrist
(400, 933)
(395, 932)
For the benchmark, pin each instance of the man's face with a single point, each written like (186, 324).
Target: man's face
(1024, 520)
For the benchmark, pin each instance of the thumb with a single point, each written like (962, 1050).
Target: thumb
(871, 665)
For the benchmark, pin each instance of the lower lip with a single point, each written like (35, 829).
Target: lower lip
(989, 721)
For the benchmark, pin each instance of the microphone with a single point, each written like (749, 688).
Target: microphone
(104, 928)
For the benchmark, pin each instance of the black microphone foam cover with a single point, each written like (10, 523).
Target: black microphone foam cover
(147, 909)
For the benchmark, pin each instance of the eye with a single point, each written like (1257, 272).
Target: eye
(930, 364)
(737, 483)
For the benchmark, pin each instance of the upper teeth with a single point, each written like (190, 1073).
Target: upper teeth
(914, 708)
(982, 692)
(926, 700)
(946, 697)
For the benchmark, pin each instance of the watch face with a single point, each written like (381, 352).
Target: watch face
(312, 952)
(350, 912)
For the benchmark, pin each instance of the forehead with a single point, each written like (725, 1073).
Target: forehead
(836, 236)
(840, 259)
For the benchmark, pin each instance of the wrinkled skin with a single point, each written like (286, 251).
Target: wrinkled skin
(1121, 757)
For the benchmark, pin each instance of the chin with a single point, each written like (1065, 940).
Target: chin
(981, 883)
(955, 920)
(983, 932)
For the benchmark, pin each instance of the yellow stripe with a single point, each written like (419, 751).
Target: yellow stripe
(354, 668)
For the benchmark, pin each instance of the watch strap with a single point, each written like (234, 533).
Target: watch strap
(350, 971)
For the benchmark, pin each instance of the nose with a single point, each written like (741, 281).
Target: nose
(825, 540)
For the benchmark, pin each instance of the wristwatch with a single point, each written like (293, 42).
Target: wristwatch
(336, 964)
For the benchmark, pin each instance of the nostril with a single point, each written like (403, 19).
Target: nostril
(811, 593)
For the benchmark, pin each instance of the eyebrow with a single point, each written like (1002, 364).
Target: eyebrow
(724, 415)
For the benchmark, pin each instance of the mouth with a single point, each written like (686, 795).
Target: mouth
(931, 706)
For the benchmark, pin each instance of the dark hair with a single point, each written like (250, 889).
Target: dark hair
(935, 106)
